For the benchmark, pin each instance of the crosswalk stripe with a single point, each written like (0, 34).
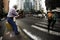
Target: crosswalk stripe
(45, 30)
(57, 23)
(31, 35)
(41, 25)
(45, 24)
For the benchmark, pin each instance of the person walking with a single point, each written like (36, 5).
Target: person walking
(51, 19)
(11, 14)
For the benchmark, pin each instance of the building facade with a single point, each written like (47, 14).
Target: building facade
(20, 4)
(36, 4)
(6, 5)
(27, 5)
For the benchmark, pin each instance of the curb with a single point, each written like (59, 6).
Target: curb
(25, 33)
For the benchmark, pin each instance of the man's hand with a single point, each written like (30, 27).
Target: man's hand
(17, 16)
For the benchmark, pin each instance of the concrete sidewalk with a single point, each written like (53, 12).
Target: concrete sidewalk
(10, 35)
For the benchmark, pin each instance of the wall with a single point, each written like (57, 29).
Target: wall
(6, 5)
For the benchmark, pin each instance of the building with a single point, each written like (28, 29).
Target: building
(6, 5)
(27, 5)
(52, 4)
(36, 4)
(20, 4)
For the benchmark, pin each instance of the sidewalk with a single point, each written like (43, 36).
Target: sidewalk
(9, 35)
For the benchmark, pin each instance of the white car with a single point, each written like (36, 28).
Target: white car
(40, 15)
(35, 15)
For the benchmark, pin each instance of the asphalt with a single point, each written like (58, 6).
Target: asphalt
(31, 28)
(35, 32)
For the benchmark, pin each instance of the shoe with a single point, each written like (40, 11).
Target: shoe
(17, 33)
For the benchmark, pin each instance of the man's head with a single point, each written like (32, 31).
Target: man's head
(15, 6)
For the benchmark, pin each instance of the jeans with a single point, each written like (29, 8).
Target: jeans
(13, 24)
(51, 23)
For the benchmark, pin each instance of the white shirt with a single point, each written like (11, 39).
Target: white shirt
(12, 13)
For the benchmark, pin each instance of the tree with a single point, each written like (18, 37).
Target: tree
(52, 4)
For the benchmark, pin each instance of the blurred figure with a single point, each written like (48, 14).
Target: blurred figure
(51, 19)
(22, 15)
(11, 14)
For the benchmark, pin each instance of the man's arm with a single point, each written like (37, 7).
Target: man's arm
(14, 13)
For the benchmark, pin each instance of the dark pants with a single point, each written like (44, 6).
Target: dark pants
(51, 23)
(13, 24)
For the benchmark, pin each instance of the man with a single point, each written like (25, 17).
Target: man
(11, 14)
(50, 14)
(51, 19)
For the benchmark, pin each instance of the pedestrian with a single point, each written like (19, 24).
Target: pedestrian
(11, 14)
(49, 19)
(54, 19)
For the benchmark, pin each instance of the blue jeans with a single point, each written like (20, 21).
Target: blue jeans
(13, 24)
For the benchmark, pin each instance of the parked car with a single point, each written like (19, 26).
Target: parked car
(40, 15)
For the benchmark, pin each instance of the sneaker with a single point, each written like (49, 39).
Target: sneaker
(17, 33)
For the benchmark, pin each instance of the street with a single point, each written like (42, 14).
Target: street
(36, 28)
(29, 19)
